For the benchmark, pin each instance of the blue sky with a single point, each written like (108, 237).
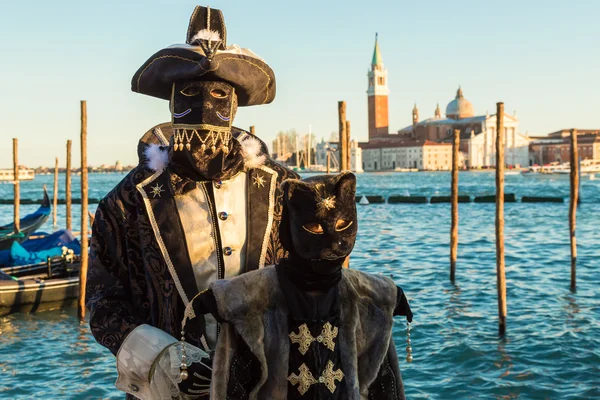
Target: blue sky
(542, 58)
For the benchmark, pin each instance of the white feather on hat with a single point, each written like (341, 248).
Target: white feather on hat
(206, 34)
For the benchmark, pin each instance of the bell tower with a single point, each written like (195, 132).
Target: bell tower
(377, 93)
(415, 115)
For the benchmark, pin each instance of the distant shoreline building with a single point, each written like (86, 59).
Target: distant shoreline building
(556, 146)
(355, 155)
(426, 145)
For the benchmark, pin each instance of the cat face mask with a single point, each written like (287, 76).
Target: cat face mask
(319, 222)
(202, 116)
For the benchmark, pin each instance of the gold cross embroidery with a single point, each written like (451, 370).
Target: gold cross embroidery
(303, 337)
(327, 335)
(330, 376)
(304, 380)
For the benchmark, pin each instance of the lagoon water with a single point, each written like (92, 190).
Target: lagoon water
(552, 347)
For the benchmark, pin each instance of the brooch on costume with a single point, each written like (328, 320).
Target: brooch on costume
(305, 339)
(324, 202)
(327, 203)
(259, 181)
(305, 378)
(157, 190)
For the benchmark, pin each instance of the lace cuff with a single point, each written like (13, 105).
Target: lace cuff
(148, 364)
(166, 375)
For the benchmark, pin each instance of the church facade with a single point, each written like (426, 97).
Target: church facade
(427, 144)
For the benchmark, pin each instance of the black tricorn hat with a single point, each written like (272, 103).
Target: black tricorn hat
(205, 56)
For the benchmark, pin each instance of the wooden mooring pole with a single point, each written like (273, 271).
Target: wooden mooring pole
(252, 130)
(84, 211)
(68, 187)
(55, 193)
(348, 148)
(454, 223)
(573, 207)
(500, 273)
(328, 161)
(17, 188)
(342, 145)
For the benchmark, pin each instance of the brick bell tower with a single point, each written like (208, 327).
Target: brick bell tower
(378, 96)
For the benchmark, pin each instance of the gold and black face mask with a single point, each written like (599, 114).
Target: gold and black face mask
(321, 222)
(202, 117)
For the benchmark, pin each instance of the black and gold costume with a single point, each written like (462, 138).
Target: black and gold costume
(306, 328)
(203, 204)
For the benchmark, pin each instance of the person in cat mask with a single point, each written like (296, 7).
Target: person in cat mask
(307, 328)
(203, 204)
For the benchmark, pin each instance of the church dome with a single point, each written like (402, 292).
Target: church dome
(459, 107)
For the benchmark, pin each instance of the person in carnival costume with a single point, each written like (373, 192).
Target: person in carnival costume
(203, 204)
(307, 328)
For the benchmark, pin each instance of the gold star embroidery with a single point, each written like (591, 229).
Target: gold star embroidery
(157, 190)
(330, 376)
(304, 380)
(303, 337)
(259, 181)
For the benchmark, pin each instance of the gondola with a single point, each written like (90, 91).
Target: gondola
(49, 285)
(28, 224)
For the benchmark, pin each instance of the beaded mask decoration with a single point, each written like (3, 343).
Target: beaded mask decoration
(212, 139)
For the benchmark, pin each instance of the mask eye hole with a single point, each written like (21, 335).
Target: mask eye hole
(314, 228)
(342, 225)
(190, 91)
(218, 93)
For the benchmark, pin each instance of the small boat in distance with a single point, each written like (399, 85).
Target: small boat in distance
(28, 224)
(587, 167)
(24, 174)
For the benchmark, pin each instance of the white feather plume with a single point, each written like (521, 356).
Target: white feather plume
(251, 148)
(157, 157)
(206, 34)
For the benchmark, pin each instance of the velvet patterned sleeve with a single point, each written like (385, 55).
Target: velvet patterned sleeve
(108, 293)
(275, 251)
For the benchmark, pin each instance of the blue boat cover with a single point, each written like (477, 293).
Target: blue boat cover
(38, 250)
